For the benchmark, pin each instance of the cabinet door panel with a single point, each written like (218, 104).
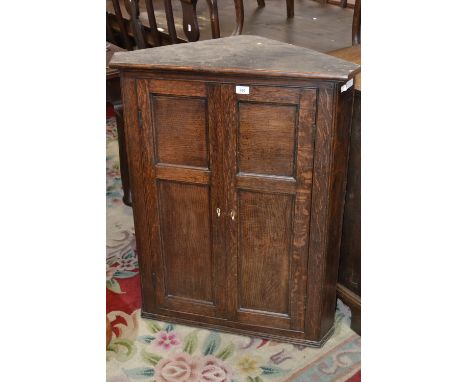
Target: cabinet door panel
(272, 156)
(187, 261)
(180, 130)
(264, 251)
(266, 138)
(185, 237)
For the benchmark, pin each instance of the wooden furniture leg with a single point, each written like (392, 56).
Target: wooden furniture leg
(356, 31)
(214, 18)
(239, 5)
(127, 197)
(290, 8)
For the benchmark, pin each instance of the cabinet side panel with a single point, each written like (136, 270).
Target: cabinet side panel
(337, 195)
(319, 222)
(350, 253)
(138, 169)
(331, 152)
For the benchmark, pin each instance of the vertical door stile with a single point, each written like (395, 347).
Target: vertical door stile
(224, 115)
(130, 98)
(154, 257)
(300, 245)
(218, 202)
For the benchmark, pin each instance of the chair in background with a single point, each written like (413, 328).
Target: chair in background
(135, 23)
(127, 30)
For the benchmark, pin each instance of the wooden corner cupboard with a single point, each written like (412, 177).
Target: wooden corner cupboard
(237, 152)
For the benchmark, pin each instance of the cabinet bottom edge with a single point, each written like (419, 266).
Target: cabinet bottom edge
(250, 333)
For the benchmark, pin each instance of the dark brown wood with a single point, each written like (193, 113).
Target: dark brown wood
(214, 18)
(110, 37)
(290, 8)
(170, 21)
(123, 159)
(356, 31)
(267, 138)
(239, 7)
(184, 213)
(138, 33)
(122, 26)
(180, 133)
(341, 3)
(153, 24)
(350, 262)
(190, 22)
(261, 3)
(113, 96)
(240, 195)
(349, 278)
(262, 217)
(353, 301)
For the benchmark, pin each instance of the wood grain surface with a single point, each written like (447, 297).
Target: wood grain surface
(239, 198)
(239, 54)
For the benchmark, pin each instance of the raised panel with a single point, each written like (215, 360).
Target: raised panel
(186, 240)
(264, 251)
(266, 138)
(180, 130)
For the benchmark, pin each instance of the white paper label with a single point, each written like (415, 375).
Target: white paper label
(347, 85)
(242, 90)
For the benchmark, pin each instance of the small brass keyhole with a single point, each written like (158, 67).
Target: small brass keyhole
(218, 212)
(233, 215)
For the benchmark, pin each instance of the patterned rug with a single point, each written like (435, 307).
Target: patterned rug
(146, 350)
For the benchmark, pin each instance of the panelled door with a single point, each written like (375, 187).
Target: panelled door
(268, 176)
(228, 178)
(186, 251)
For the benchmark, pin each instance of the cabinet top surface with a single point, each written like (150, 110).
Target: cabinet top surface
(238, 55)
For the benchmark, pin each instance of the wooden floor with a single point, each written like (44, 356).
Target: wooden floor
(323, 28)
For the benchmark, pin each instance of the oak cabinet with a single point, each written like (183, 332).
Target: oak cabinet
(237, 155)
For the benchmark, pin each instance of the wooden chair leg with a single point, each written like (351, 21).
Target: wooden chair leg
(261, 3)
(214, 18)
(109, 32)
(356, 29)
(290, 8)
(239, 5)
